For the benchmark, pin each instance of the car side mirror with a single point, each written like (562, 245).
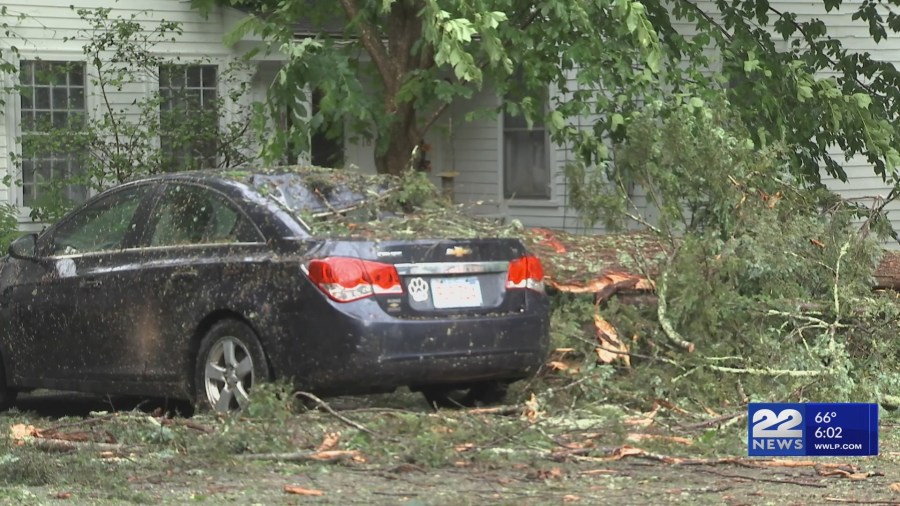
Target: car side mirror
(24, 248)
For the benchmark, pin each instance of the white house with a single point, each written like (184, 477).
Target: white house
(500, 167)
(51, 36)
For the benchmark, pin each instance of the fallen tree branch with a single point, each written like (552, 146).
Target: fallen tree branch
(168, 422)
(324, 405)
(664, 322)
(856, 501)
(768, 372)
(65, 446)
(816, 322)
(308, 456)
(496, 410)
(767, 480)
(714, 421)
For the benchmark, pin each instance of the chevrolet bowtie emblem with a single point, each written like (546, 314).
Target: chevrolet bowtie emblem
(458, 251)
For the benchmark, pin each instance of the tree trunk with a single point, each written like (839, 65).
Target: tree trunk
(402, 139)
(394, 59)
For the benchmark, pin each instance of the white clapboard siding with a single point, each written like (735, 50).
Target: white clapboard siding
(52, 31)
(862, 185)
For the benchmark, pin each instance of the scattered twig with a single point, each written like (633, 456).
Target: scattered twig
(86, 421)
(186, 423)
(857, 501)
(768, 372)
(816, 322)
(496, 410)
(65, 446)
(307, 456)
(714, 421)
(767, 480)
(324, 405)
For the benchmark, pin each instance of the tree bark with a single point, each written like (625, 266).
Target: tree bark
(402, 138)
(391, 51)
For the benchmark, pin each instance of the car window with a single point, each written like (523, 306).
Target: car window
(193, 215)
(101, 226)
(319, 190)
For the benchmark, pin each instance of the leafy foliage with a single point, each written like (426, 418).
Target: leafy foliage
(769, 278)
(396, 66)
(791, 80)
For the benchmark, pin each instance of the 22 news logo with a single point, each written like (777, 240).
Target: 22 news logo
(776, 431)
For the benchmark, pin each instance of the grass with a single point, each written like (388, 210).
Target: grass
(407, 453)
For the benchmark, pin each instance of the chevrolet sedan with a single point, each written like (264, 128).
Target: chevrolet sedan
(199, 286)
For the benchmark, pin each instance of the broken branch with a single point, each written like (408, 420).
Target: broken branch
(324, 405)
(664, 322)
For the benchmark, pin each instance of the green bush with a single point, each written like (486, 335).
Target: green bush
(768, 277)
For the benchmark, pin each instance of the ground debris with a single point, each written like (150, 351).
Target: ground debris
(297, 490)
(308, 456)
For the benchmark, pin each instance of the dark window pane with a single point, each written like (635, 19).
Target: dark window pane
(60, 119)
(193, 77)
(42, 121)
(60, 98)
(41, 97)
(26, 75)
(209, 75)
(76, 98)
(208, 97)
(526, 165)
(76, 75)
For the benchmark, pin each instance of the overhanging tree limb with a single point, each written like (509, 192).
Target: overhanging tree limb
(372, 42)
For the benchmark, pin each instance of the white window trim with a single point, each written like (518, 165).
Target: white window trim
(221, 64)
(552, 160)
(14, 120)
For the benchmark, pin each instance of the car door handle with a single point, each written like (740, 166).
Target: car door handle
(184, 275)
(91, 283)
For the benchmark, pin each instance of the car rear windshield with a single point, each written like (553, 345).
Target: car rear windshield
(311, 192)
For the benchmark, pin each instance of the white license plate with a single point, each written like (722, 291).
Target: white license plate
(456, 292)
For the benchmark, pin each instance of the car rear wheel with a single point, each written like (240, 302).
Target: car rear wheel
(480, 394)
(230, 363)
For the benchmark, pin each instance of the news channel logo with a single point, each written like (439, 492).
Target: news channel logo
(812, 429)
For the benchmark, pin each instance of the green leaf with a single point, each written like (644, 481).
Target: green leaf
(863, 100)
(557, 121)
(615, 121)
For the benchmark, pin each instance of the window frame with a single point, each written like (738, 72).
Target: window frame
(13, 113)
(220, 93)
(552, 199)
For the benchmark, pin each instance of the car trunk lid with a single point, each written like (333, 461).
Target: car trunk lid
(437, 278)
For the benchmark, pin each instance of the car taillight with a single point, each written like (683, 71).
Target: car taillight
(526, 272)
(348, 279)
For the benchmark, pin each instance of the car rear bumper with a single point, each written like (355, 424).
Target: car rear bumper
(362, 349)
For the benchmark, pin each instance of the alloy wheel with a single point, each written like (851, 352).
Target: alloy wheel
(228, 375)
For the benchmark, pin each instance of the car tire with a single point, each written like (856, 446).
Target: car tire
(230, 361)
(480, 394)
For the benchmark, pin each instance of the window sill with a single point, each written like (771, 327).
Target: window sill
(532, 203)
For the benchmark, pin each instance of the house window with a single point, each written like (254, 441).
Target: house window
(52, 104)
(326, 140)
(526, 159)
(189, 116)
